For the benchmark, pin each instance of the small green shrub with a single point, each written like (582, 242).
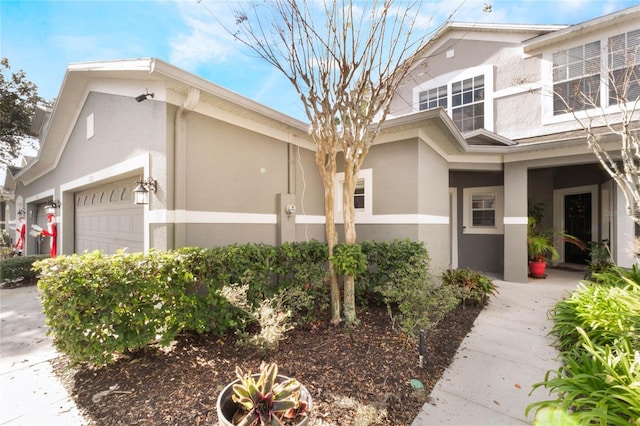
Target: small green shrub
(413, 299)
(348, 259)
(470, 285)
(18, 267)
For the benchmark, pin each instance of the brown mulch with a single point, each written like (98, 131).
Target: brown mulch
(363, 377)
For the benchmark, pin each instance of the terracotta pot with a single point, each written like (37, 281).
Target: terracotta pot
(226, 408)
(537, 269)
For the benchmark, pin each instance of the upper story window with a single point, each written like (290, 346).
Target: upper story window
(433, 98)
(624, 66)
(576, 78)
(465, 97)
(467, 103)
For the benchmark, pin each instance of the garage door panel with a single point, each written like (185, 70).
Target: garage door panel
(108, 220)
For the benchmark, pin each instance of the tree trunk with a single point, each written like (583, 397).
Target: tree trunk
(350, 180)
(327, 166)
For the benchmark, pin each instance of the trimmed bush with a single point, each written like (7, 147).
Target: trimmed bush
(98, 306)
(18, 267)
(399, 277)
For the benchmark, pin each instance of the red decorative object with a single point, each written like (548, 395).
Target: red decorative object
(537, 268)
(52, 232)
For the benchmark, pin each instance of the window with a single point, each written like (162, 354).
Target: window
(433, 98)
(483, 210)
(624, 67)
(576, 78)
(362, 198)
(467, 103)
(464, 101)
(359, 195)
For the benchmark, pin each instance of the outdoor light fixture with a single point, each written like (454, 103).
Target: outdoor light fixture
(141, 193)
(144, 96)
(51, 206)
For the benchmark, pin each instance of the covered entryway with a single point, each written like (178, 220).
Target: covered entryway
(107, 219)
(576, 213)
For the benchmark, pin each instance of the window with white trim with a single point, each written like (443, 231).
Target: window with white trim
(467, 103)
(464, 97)
(433, 98)
(362, 197)
(576, 78)
(483, 210)
(624, 66)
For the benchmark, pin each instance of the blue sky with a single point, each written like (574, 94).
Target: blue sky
(43, 36)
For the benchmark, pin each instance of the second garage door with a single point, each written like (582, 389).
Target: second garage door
(106, 219)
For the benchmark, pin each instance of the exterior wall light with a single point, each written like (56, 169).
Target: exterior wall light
(51, 206)
(141, 193)
(144, 96)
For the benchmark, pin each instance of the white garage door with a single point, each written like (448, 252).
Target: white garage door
(107, 220)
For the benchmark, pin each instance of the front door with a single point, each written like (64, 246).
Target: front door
(577, 221)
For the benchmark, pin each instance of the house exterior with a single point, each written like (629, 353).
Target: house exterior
(473, 139)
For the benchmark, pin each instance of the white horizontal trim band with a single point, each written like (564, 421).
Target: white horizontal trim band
(400, 219)
(516, 220)
(186, 216)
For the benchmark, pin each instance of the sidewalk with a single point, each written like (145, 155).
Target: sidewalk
(30, 393)
(506, 352)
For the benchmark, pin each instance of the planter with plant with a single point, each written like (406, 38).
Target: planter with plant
(541, 248)
(263, 399)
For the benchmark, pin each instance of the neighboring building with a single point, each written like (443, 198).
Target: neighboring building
(475, 135)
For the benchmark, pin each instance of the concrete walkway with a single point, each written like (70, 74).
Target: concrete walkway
(506, 352)
(30, 394)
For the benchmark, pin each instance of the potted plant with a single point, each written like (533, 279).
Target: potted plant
(540, 247)
(263, 399)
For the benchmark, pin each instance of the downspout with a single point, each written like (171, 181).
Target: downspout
(178, 182)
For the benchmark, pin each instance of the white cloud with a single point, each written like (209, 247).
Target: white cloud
(205, 40)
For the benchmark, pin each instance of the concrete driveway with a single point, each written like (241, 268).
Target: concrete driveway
(30, 394)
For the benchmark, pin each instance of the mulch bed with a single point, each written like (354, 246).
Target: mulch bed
(362, 377)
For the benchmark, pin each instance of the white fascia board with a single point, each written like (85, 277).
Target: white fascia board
(537, 44)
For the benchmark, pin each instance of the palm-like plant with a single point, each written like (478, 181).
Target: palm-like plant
(540, 245)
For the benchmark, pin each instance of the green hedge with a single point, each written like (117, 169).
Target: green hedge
(99, 306)
(17, 267)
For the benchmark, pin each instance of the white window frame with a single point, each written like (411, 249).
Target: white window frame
(467, 222)
(448, 79)
(547, 79)
(365, 175)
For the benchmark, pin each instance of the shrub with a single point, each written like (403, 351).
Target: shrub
(402, 280)
(387, 259)
(597, 331)
(469, 285)
(18, 267)
(98, 306)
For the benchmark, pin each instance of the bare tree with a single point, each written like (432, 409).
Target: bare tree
(345, 61)
(607, 102)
